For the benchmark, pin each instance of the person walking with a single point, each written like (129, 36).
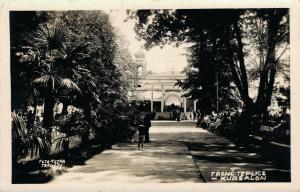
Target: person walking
(142, 134)
(147, 124)
(178, 115)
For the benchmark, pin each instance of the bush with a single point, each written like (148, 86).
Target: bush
(221, 124)
(69, 128)
(33, 142)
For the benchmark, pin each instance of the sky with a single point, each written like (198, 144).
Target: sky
(158, 60)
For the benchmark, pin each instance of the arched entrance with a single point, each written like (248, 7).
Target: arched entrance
(172, 98)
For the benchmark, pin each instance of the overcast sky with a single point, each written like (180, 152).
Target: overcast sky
(158, 60)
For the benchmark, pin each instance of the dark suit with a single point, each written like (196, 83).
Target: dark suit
(147, 124)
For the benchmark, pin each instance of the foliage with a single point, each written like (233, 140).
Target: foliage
(55, 64)
(208, 80)
(76, 57)
(28, 142)
(20, 24)
(69, 128)
(124, 64)
(218, 38)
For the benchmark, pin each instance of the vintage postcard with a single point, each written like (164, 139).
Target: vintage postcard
(153, 95)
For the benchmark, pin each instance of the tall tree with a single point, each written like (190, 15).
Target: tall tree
(159, 27)
(53, 62)
(20, 23)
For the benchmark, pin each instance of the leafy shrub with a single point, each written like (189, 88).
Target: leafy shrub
(25, 142)
(69, 128)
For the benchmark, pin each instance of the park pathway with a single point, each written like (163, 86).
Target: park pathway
(166, 159)
(178, 153)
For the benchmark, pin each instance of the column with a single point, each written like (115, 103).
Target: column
(195, 105)
(162, 99)
(184, 105)
(152, 98)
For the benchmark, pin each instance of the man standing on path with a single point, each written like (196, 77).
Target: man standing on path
(178, 115)
(142, 134)
(147, 124)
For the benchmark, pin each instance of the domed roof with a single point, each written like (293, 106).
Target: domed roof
(139, 54)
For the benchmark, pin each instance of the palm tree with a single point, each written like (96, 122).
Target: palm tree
(56, 65)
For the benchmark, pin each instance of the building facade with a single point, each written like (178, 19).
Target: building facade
(159, 88)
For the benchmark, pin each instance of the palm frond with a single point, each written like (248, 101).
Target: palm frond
(36, 93)
(96, 97)
(83, 70)
(27, 143)
(64, 140)
(92, 83)
(68, 83)
(77, 50)
(18, 126)
(49, 36)
(43, 80)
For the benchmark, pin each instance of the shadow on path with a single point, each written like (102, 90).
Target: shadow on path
(175, 155)
(215, 153)
(165, 160)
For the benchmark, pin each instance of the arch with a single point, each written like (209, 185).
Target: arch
(172, 98)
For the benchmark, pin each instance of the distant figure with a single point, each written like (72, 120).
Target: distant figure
(173, 111)
(178, 115)
(199, 116)
(142, 134)
(147, 124)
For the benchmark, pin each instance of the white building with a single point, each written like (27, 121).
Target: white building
(159, 88)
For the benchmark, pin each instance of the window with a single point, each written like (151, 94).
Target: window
(140, 71)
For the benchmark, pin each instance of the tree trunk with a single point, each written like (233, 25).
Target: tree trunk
(48, 112)
(243, 73)
(239, 79)
(65, 107)
(85, 135)
(267, 76)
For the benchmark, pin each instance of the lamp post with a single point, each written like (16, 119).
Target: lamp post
(162, 98)
(200, 89)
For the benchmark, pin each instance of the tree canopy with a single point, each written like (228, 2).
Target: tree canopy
(219, 40)
(70, 55)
